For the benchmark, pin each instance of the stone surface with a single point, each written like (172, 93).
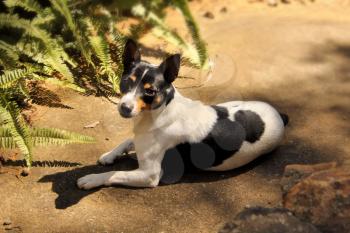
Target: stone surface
(323, 199)
(223, 10)
(7, 222)
(267, 220)
(294, 173)
(209, 15)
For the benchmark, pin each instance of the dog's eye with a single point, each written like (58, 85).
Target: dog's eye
(150, 92)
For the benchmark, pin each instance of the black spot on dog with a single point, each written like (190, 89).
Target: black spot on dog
(222, 112)
(252, 123)
(202, 155)
(224, 140)
(173, 167)
(126, 83)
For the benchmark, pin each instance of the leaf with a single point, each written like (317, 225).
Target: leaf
(58, 137)
(6, 139)
(11, 76)
(12, 119)
(29, 5)
(182, 5)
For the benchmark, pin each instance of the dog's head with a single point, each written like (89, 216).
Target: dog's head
(145, 86)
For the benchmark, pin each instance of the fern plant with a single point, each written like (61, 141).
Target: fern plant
(39, 49)
(14, 130)
(66, 44)
(151, 16)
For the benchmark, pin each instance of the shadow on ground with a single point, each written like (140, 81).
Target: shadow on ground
(64, 183)
(269, 166)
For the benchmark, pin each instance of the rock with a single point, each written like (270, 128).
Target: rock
(7, 222)
(25, 172)
(223, 10)
(92, 125)
(209, 15)
(272, 2)
(294, 173)
(267, 220)
(323, 198)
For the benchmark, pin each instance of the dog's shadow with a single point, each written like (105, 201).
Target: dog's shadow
(64, 183)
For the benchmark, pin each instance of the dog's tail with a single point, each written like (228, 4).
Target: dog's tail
(285, 118)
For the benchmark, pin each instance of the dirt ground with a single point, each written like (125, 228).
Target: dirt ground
(295, 56)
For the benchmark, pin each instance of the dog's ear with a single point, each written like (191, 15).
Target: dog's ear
(170, 67)
(131, 55)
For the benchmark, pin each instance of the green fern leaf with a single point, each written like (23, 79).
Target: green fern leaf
(61, 83)
(8, 55)
(44, 137)
(11, 76)
(6, 139)
(29, 5)
(101, 49)
(74, 25)
(58, 137)
(55, 54)
(10, 115)
(200, 45)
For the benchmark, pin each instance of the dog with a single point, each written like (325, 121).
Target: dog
(170, 129)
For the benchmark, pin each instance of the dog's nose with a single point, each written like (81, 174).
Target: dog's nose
(125, 109)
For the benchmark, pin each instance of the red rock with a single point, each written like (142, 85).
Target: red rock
(294, 173)
(323, 198)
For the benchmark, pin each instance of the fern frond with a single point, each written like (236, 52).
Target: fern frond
(54, 52)
(162, 31)
(29, 5)
(61, 83)
(182, 5)
(7, 20)
(10, 115)
(11, 76)
(43, 20)
(101, 49)
(6, 139)
(44, 137)
(197, 54)
(74, 25)
(8, 54)
(156, 21)
(58, 137)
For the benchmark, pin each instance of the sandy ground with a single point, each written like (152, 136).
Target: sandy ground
(294, 56)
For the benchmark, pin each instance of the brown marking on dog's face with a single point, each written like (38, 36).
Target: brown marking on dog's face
(141, 105)
(133, 78)
(147, 85)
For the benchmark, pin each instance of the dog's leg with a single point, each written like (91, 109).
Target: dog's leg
(147, 175)
(109, 157)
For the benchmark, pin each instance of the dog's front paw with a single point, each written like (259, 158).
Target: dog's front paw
(91, 181)
(107, 158)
